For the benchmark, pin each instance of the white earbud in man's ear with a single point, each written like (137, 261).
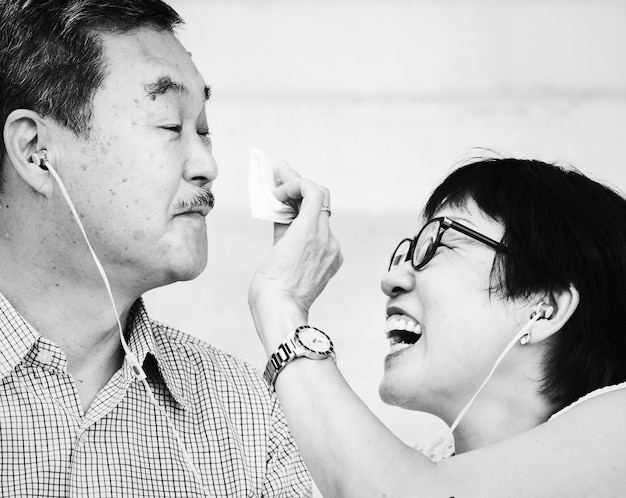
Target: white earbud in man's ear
(40, 158)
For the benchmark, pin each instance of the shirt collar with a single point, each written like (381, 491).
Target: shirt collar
(17, 338)
(146, 337)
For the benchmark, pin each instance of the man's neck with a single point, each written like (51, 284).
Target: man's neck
(77, 315)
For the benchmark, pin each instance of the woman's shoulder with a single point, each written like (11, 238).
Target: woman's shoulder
(579, 453)
(594, 394)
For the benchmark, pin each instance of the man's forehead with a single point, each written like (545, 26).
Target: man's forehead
(156, 60)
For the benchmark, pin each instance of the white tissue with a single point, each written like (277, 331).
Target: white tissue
(263, 204)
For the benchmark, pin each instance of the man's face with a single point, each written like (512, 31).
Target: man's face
(135, 180)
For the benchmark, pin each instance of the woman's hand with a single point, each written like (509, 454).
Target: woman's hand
(304, 258)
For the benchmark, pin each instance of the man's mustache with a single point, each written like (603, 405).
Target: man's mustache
(200, 197)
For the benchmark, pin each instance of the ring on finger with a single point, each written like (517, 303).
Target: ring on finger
(327, 209)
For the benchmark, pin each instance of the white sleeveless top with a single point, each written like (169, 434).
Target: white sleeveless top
(592, 394)
(443, 447)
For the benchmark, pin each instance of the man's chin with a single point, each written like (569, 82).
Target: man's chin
(190, 272)
(186, 270)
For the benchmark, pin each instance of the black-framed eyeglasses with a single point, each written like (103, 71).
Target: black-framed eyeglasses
(421, 249)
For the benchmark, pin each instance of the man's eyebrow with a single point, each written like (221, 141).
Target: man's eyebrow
(165, 84)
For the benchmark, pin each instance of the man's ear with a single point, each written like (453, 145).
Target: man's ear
(25, 133)
(564, 302)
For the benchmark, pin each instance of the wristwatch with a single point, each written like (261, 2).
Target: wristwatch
(305, 341)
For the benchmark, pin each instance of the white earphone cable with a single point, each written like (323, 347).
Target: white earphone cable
(138, 371)
(508, 348)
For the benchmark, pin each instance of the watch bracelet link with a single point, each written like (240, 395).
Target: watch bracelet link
(277, 361)
(287, 351)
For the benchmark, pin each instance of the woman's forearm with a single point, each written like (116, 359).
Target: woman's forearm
(349, 452)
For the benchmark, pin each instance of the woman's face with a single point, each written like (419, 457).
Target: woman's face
(463, 327)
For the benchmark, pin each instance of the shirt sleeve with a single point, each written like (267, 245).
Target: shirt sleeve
(287, 475)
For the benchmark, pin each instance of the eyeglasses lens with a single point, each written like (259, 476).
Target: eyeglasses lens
(424, 248)
(426, 244)
(400, 254)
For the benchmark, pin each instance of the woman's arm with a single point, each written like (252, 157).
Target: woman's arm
(350, 453)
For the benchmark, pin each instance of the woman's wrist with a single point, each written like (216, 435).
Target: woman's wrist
(274, 322)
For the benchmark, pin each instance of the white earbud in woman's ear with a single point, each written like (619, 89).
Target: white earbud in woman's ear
(40, 158)
(543, 311)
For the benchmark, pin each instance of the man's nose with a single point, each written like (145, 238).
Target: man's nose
(201, 167)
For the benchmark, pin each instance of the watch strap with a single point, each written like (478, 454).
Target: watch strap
(288, 351)
(279, 360)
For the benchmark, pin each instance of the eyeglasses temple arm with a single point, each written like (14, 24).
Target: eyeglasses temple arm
(478, 236)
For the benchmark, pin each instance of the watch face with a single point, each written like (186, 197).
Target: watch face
(314, 340)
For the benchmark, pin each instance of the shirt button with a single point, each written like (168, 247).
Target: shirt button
(45, 357)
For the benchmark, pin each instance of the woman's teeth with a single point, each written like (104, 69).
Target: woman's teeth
(402, 332)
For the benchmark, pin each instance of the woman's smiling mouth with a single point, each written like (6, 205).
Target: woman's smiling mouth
(402, 332)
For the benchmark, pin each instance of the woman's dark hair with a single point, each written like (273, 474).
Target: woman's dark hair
(561, 228)
(51, 58)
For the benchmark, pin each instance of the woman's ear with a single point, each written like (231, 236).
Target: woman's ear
(24, 134)
(563, 303)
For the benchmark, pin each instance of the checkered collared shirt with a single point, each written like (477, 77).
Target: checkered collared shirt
(123, 446)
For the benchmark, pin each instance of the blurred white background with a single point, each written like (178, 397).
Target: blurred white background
(378, 99)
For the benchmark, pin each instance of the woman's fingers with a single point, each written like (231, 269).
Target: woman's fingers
(325, 211)
(279, 231)
(312, 202)
(284, 172)
(310, 195)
